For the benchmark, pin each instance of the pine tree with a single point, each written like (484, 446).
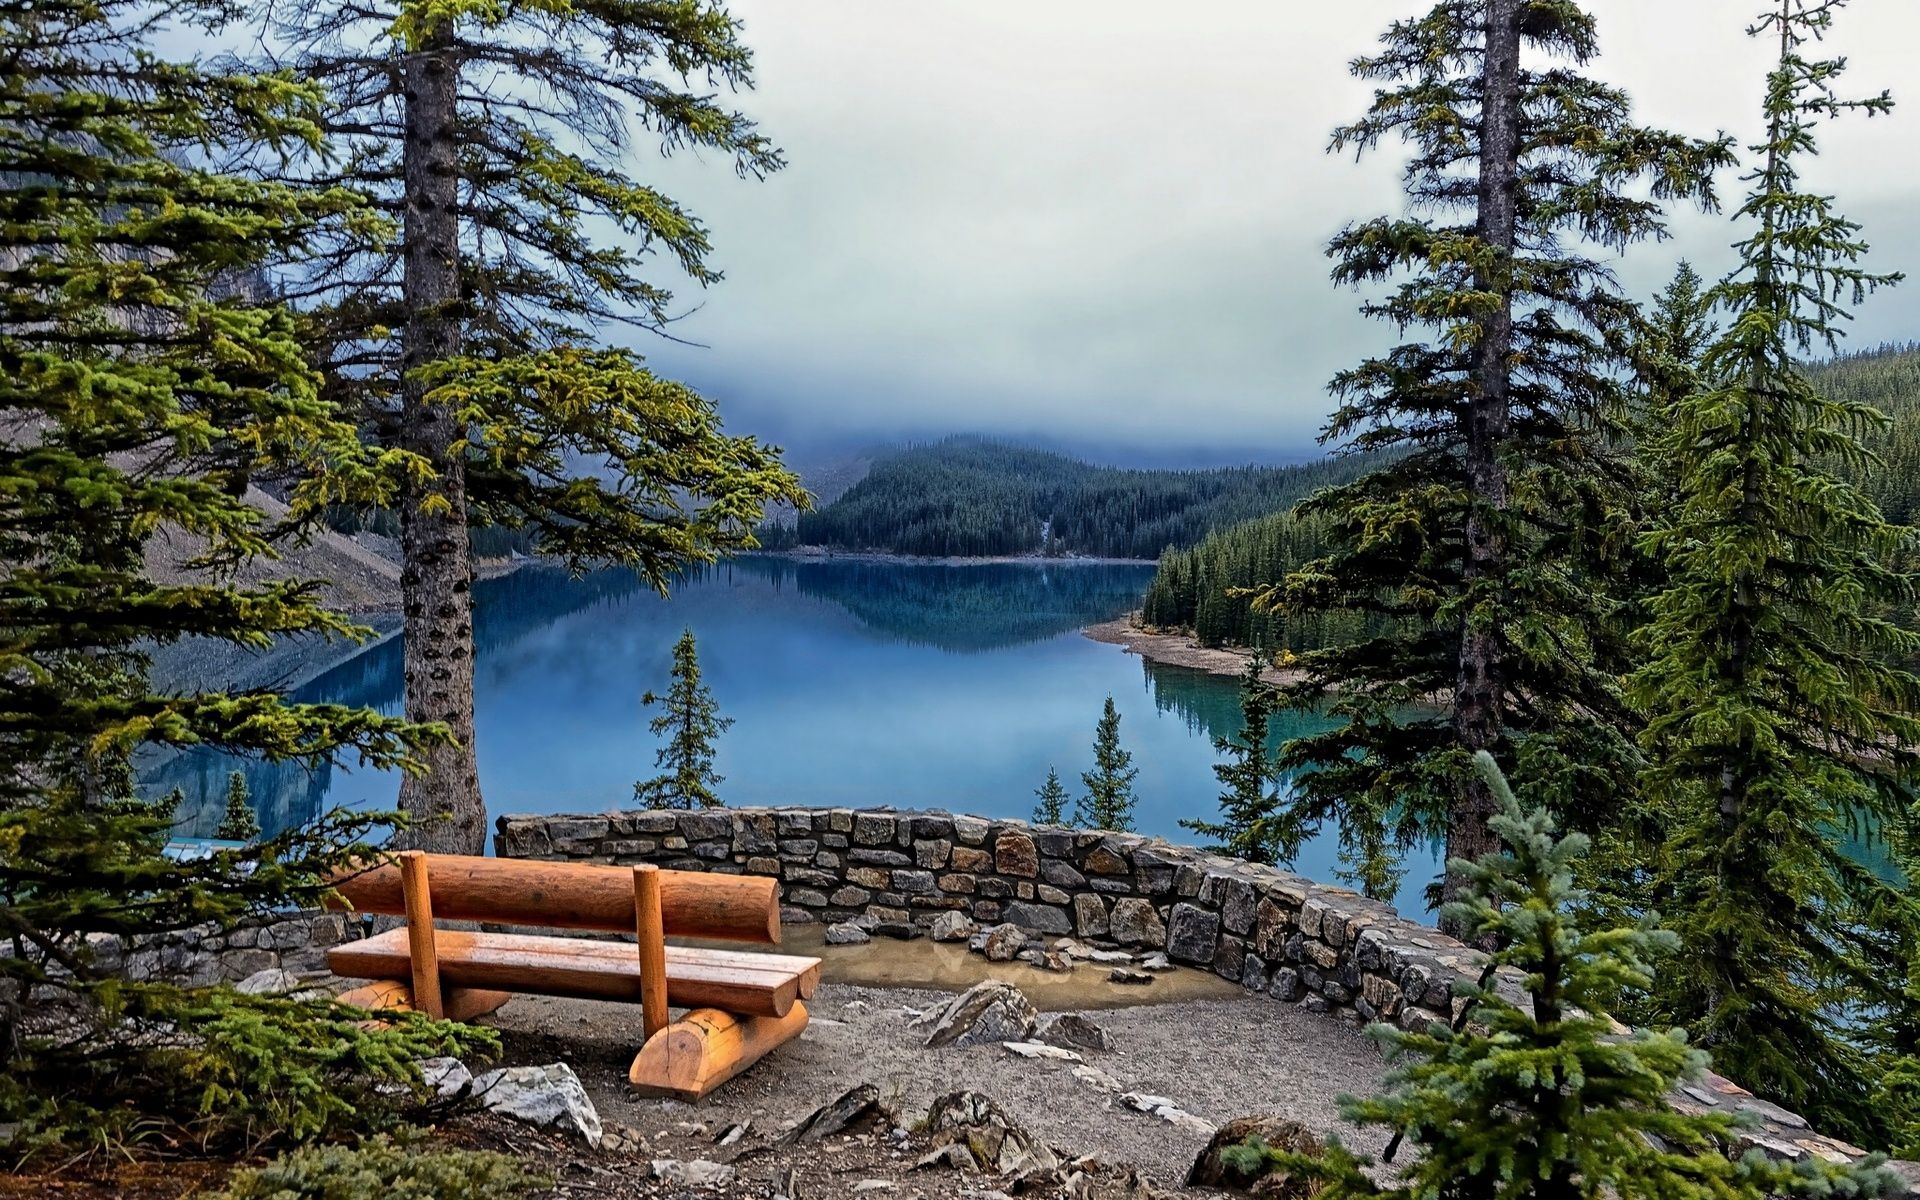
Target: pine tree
(1253, 823)
(1108, 802)
(238, 824)
(1482, 541)
(1530, 1093)
(1052, 809)
(690, 725)
(498, 135)
(1777, 719)
(143, 397)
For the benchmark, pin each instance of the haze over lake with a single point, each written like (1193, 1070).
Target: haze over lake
(850, 683)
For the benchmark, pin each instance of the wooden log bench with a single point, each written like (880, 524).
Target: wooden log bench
(741, 1004)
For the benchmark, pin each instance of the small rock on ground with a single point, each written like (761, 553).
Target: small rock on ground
(543, 1096)
(989, 1011)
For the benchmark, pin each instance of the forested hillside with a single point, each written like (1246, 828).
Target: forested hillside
(969, 497)
(1192, 589)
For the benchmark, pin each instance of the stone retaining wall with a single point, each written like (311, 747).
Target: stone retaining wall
(1326, 948)
(296, 942)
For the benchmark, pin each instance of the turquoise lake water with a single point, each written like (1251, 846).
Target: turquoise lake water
(850, 683)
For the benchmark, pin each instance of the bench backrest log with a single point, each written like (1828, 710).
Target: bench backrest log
(740, 908)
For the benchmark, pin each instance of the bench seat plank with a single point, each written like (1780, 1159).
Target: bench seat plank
(749, 984)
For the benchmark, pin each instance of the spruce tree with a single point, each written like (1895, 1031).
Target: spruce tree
(1532, 1092)
(484, 340)
(237, 823)
(1252, 824)
(1777, 718)
(1482, 543)
(144, 396)
(1052, 809)
(690, 724)
(1108, 802)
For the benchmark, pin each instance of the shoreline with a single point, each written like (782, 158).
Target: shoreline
(1180, 650)
(818, 554)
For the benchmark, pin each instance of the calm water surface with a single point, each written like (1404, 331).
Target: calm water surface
(850, 683)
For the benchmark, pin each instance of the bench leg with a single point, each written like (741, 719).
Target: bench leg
(707, 1047)
(390, 995)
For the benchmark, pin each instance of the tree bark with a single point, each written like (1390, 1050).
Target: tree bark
(1477, 716)
(444, 806)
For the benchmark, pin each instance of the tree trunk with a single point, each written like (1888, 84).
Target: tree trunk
(1477, 718)
(436, 580)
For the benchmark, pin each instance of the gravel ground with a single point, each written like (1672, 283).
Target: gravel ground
(1215, 1058)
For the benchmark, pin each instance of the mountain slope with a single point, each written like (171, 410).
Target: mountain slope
(970, 497)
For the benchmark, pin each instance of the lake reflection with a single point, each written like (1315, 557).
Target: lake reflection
(851, 683)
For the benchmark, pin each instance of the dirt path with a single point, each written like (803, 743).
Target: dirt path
(1215, 1058)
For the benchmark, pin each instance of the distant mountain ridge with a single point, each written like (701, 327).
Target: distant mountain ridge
(976, 497)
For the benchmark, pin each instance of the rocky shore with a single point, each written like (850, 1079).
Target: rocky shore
(1177, 648)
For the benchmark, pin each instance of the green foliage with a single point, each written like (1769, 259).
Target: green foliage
(381, 1169)
(237, 823)
(964, 496)
(1210, 589)
(690, 724)
(1052, 809)
(1531, 1093)
(1778, 717)
(1253, 822)
(1479, 563)
(146, 392)
(1108, 802)
(562, 246)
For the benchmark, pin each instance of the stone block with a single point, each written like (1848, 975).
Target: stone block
(957, 882)
(763, 866)
(867, 877)
(970, 858)
(993, 887)
(1285, 985)
(1090, 916)
(1192, 933)
(913, 882)
(850, 897)
(810, 897)
(1061, 875)
(1253, 973)
(878, 858)
(698, 826)
(794, 824)
(932, 826)
(1053, 843)
(1237, 902)
(840, 820)
(1106, 859)
(1229, 957)
(932, 853)
(1048, 894)
(1014, 854)
(1040, 917)
(1382, 994)
(971, 831)
(872, 829)
(1135, 923)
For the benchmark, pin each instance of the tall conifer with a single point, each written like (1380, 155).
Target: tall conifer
(1052, 808)
(498, 137)
(1253, 822)
(1108, 801)
(690, 722)
(1478, 542)
(1777, 719)
(142, 397)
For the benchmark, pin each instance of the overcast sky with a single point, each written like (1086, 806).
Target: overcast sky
(1102, 221)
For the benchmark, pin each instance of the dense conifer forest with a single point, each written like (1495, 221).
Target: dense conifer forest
(1195, 587)
(971, 497)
